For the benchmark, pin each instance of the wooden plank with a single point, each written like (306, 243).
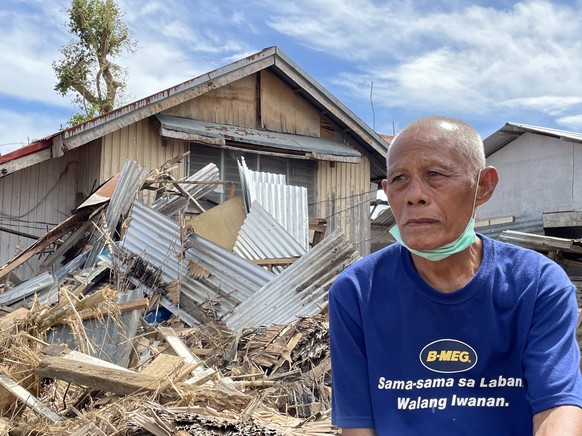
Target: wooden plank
(95, 376)
(28, 399)
(177, 345)
(24, 162)
(274, 261)
(77, 356)
(163, 365)
(234, 104)
(200, 374)
(282, 110)
(127, 306)
(222, 223)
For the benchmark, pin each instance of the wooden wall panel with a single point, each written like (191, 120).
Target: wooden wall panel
(343, 198)
(89, 157)
(37, 198)
(235, 104)
(282, 110)
(139, 142)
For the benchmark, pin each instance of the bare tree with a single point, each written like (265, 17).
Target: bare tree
(86, 68)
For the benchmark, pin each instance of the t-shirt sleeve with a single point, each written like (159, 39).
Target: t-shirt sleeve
(351, 404)
(552, 354)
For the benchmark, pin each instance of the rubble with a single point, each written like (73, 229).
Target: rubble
(137, 324)
(151, 315)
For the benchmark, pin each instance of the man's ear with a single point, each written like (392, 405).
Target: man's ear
(487, 183)
(385, 186)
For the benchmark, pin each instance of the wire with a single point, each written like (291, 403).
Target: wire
(44, 198)
(347, 208)
(343, 198)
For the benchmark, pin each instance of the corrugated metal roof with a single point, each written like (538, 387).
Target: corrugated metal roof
(162, 243)
(287, 204)
(385, 218)
(27, 288)
(218, 134)
(387, 138)
(300, 290)
(35, 147)
(542, 243)
(529, 224)
(130, 181)
(511, 131)
(262, 237)
(103, 193)
(170, 204)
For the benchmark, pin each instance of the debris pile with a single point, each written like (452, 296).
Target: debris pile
(150, 313)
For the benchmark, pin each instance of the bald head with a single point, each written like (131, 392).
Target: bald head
(446, 132)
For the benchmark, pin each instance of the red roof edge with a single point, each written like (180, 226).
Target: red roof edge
(387, 138)
(35, 147)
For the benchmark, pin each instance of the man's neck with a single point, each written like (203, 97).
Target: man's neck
(452, 273)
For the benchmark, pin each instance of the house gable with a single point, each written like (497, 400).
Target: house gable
(283, 116)
(295, 110)
(539, 174)
(258, 101)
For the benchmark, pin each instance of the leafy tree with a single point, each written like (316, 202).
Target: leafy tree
(86, 68)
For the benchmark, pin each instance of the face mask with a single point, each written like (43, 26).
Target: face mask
(467, 238)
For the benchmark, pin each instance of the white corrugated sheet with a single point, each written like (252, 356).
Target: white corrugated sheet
(163, 244)
(287, 204)
(300, 290)
(262, 237)
(130, 181)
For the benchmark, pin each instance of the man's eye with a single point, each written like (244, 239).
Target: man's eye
(396, 178)
(433, 173)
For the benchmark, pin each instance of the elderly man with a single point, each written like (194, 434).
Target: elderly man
(447, 332)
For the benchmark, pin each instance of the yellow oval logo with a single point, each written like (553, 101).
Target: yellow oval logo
(448, 356)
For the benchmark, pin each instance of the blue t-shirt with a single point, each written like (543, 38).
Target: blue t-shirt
(408, 360)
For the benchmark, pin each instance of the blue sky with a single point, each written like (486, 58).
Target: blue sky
(487, 62)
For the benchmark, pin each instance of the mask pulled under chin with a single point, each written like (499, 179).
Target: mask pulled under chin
(467, 238)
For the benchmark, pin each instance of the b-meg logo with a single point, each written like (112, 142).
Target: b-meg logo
(448, 356)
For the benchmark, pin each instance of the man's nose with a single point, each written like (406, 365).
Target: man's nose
(417, 192)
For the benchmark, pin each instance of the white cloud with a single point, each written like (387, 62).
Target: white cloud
(19, 129)
(28, 46)
(481, 60)
(546, 104)
(476, 60)
(572, 122)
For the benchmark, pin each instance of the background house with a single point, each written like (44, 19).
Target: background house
(540, 188)
(263, 107)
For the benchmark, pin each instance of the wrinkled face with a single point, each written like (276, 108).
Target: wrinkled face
(429, 188)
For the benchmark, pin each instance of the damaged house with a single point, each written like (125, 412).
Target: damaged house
(264, 108)
(230, 202)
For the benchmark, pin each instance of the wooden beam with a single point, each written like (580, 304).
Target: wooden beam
(96, 376)
(271, 262)
(29, 400)
(274, 261)
(76, 356)
(127, 306)
(200, 374)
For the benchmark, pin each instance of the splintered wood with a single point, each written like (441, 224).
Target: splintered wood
(204, 380)
(90, 347)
